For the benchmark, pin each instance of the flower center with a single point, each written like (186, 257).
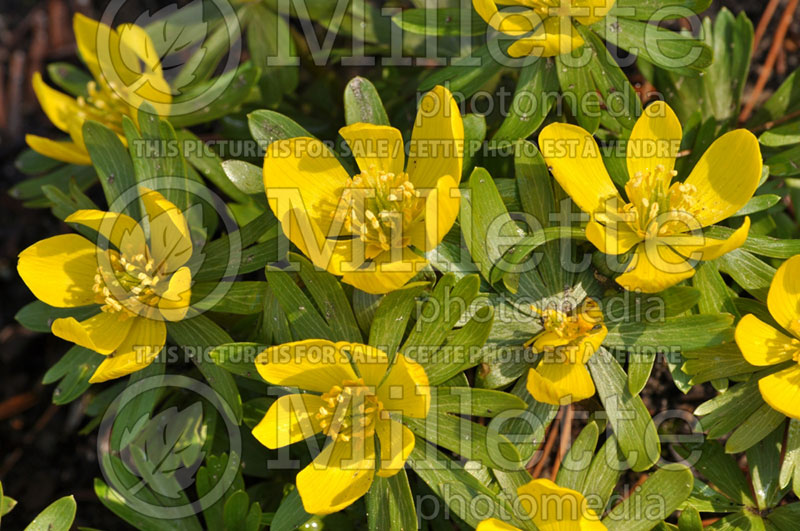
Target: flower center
(103, 105)
(655, 207)
(350, 409)
(129, 288)
(381, 208)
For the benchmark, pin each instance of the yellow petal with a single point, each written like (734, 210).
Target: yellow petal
(88, 33)
(437, 140)
(174, 302)
(170, 239)
(291, 418)
(140, 347)
(493, 524)
(509, 22)
(381, 275)
(65, 151)
(560, 383)
(574, 160)
(376, 147)
(783, 299)
(557, 508)
(590, 11)
(726, 176)
(59, 108)
(119, 229)
(397, 442)
(710, 249)
(405, 389)
(613, 238)
(60, 270)
(338, 476)
(441, 210)
(102, 333)
(782, 391)
(555, 36)
(334, 255)
(312, 364)
(761, 344)
(642, 274)
(654, 142)
(372, 363)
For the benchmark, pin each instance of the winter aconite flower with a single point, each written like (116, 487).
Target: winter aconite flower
(367, 227)
(661, 219)
(138, 284)
(544, 27)
(762, 344)
(354, 395)
(551, 508)
(126, 71)
(567, 342)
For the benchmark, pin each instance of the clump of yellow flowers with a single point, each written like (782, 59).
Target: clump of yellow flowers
(568, 341)
(355, 393)
(367, 227)
(764, 345)
(137, 283)
(544, 27)
(127, 73)
(661, 219)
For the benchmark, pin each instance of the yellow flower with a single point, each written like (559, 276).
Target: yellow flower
(138, 284)
(762, 345)
(551, 508)
(126, 71)
(356, 396)
(544, 26)
(661, 219)
(364, 227)
(567, 342)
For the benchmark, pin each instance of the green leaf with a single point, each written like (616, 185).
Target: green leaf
(305, 320)
(721, 361)
(290, 514)
(247, 178)
(269, 126)
(232, 88)
(577, 84)
(112, 163)
(38, 316)
(664, 48)
(761, 245)
(686, 333)
(74, 369)
(362, 103)
(329, 296)
(450, 482)
(790, 469)
(210, 166)
(70, 78)
(272, 48)
(31, 190)
(715, 295)
(392, 317)
(489, 231)
(390, 504)
(474, 402)
(636, 434)
(671, 485)
(690, 520)
(203, 333)
(243, 297)
(466, 75)
(604, 472)
(58, 516)
(748, 271)
(754, 429)
(721, 469)
(462, 350)
(117, 504)
(238, 358)
(646, 9)
(575, 466)
(783, 102)
(763, 460)
(444, 22)
(531, 103)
